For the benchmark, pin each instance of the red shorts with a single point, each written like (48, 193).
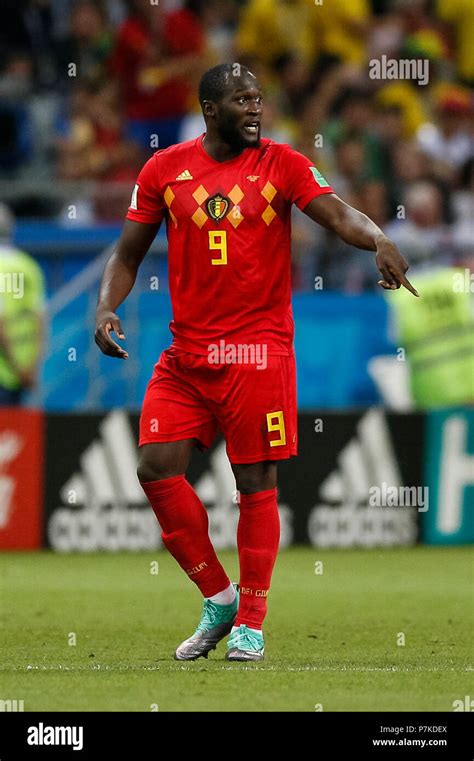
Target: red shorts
(187, 397)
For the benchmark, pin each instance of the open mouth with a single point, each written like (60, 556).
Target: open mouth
(251, 128)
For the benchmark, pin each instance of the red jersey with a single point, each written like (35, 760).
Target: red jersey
(229, 237)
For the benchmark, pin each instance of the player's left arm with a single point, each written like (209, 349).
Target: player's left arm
(357, 229)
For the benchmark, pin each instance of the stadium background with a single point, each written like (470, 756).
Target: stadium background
(88, 90)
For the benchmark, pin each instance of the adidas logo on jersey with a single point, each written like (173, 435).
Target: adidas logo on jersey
(186, 175)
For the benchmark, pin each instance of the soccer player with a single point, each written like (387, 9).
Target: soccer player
(226, 198)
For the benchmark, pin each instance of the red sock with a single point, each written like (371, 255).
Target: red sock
(258, 537)
(185, 532)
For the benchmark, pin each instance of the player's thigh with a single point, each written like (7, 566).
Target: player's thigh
(164, 459)
(173, 408)
(259, 418)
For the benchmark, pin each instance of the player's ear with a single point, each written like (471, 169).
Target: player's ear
(208, 108)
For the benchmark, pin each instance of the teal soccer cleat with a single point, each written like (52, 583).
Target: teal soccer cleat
(216, 622)
(245, 644)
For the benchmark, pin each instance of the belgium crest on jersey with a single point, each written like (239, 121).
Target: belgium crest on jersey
(217, 206)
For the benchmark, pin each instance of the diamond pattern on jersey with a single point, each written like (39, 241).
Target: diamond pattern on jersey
(268, 192)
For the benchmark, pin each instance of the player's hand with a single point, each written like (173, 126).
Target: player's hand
(106, 323)
(392, 267)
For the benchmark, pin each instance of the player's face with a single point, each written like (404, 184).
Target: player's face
(239, 114)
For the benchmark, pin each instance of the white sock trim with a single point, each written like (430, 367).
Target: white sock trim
(226, 597)
(256, 631)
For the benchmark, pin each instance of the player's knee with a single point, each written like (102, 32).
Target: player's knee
(161, 460)
(250, 487)
(154, 470)
(251, 479)
(252, 484)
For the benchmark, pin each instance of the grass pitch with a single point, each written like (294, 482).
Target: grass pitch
(97, 633)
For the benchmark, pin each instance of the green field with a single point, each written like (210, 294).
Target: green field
(331, 638)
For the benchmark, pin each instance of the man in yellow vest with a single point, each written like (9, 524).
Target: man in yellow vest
(22, 299)
(437, 333)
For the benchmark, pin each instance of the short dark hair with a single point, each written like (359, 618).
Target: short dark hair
(215, 82)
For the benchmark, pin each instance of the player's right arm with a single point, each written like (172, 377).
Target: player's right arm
(141, 226)
(117, 281)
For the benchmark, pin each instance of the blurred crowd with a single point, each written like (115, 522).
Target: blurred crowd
(90, 88)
